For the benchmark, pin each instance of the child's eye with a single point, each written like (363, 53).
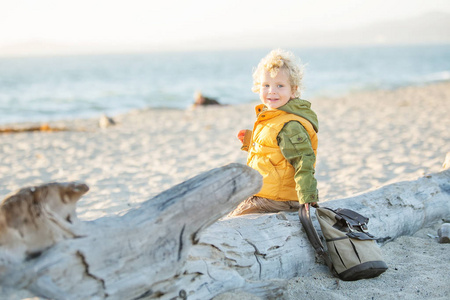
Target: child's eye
(266, 85)
(280, 85)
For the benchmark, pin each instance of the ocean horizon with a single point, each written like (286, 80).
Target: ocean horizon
(48, 88)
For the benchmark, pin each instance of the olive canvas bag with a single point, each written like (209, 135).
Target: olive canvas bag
(353, 253)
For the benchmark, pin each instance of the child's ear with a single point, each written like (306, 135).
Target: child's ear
(294, 90)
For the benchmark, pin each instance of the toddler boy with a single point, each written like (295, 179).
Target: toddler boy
(283, 143)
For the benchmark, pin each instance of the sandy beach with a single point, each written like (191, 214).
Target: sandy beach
(366, 140)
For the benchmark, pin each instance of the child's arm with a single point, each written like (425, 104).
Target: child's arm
(295, 145)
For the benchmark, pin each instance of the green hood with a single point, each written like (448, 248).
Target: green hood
(303, 109)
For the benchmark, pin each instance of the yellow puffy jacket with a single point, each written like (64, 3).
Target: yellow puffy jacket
(265, 155)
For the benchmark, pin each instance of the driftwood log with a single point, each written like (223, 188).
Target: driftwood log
(172, 247)
(43, 127)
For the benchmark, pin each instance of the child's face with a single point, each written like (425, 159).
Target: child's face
(277, 91)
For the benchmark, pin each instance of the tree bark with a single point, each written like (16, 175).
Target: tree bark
(172, 246)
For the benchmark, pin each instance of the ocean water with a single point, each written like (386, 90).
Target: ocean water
(65, 87)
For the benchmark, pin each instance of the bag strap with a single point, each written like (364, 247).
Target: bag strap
(305, 219)
(353, 221)
(352, 216)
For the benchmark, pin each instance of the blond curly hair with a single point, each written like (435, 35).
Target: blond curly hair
(278, 60)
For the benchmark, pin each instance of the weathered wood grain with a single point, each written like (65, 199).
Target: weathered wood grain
(260, 248)
(173, 248)
(122, 257)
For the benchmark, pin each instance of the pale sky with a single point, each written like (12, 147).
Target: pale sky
(125, 23)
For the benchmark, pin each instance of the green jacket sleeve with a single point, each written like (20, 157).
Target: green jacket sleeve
(295, 145)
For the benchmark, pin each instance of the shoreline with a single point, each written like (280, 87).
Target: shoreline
(366, 140)
(350, 93)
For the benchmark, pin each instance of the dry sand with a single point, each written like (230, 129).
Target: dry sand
(366, 140)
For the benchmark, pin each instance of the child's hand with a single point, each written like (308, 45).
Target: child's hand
(241, 135)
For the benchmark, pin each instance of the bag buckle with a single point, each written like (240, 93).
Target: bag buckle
(363, 227)
(350, 227)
